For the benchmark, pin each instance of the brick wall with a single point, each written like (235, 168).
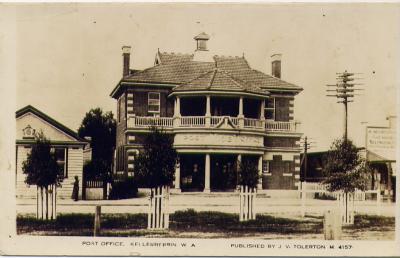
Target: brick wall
(283, 171)
(121, 120)
(140, 102)
(282, 109)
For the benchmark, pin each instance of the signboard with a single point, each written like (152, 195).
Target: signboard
(382, 142)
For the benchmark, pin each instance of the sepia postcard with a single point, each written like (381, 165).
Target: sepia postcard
(199, 129)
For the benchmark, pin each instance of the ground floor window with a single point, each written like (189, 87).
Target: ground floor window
(61, 154)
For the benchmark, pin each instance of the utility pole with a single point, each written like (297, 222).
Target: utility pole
(344, 92)
(306, 144)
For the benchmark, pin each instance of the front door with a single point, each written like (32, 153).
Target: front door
(192, 173)
(223, 172)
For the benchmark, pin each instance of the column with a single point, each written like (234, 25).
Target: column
(260, 160)
(207, 174)
(240, 115)
(208, 111)
(262, 113)
(177, 111)
(238, 161)
(177, 184)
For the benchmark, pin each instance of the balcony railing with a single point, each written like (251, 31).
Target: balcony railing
(146, 121)
(193, 121)
(213, 121)
(253, 123)
(279, 126)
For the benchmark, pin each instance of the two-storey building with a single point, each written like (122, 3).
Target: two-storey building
(219, 111)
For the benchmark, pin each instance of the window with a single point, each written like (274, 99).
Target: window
(270, 109)
(265, 166)
(61, 155)
(154, 102)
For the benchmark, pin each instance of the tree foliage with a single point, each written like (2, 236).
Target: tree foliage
(101, 127)
(41, 165)
(344, 168)
(248, 173)
(155, 165)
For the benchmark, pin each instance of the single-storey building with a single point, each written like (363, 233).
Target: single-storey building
(67, 145)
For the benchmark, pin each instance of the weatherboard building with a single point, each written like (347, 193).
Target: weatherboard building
(219, 110)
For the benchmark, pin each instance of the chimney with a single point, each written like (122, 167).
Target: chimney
(126, 53)
(201, 41)
(202, 54)
(276, 65)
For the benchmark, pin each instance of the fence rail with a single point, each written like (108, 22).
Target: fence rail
(356, 196)
(94, 183)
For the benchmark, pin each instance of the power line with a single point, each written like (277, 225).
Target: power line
(344, 92)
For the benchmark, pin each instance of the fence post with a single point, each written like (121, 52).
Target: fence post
(241, 203)
(149, 212)
(332, 224)
(97, 221)
(303, 198)
(378, 199)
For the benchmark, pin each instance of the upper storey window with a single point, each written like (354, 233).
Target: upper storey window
(270, 109)
(154, 103)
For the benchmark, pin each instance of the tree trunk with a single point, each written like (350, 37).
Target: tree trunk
(51, 200)
(41, 200)
(47, 202)
(346, 196)
(37, 202)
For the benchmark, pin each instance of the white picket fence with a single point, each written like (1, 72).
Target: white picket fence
(158, 214)
(357, 196)
(51, 203)
(247, 196)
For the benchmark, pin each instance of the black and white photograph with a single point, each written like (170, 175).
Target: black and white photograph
(240, 129)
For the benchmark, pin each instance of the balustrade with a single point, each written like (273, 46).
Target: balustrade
(200, 121)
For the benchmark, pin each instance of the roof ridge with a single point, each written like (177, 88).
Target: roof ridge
(238, 81)
(201, 75)
(47, 118)
(213, 78)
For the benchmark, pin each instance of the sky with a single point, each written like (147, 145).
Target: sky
(69, 58)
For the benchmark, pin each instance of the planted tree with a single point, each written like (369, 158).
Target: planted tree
(41, 169)
(345, 169)
(154, 167)
(248, 173)
(101, 128)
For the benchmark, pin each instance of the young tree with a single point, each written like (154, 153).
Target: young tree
(101, 127)
(155, 165)
(345, 169)
(248, 173)
(41, 167)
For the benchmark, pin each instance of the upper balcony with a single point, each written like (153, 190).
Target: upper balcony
(212, 122)
(218, 112)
